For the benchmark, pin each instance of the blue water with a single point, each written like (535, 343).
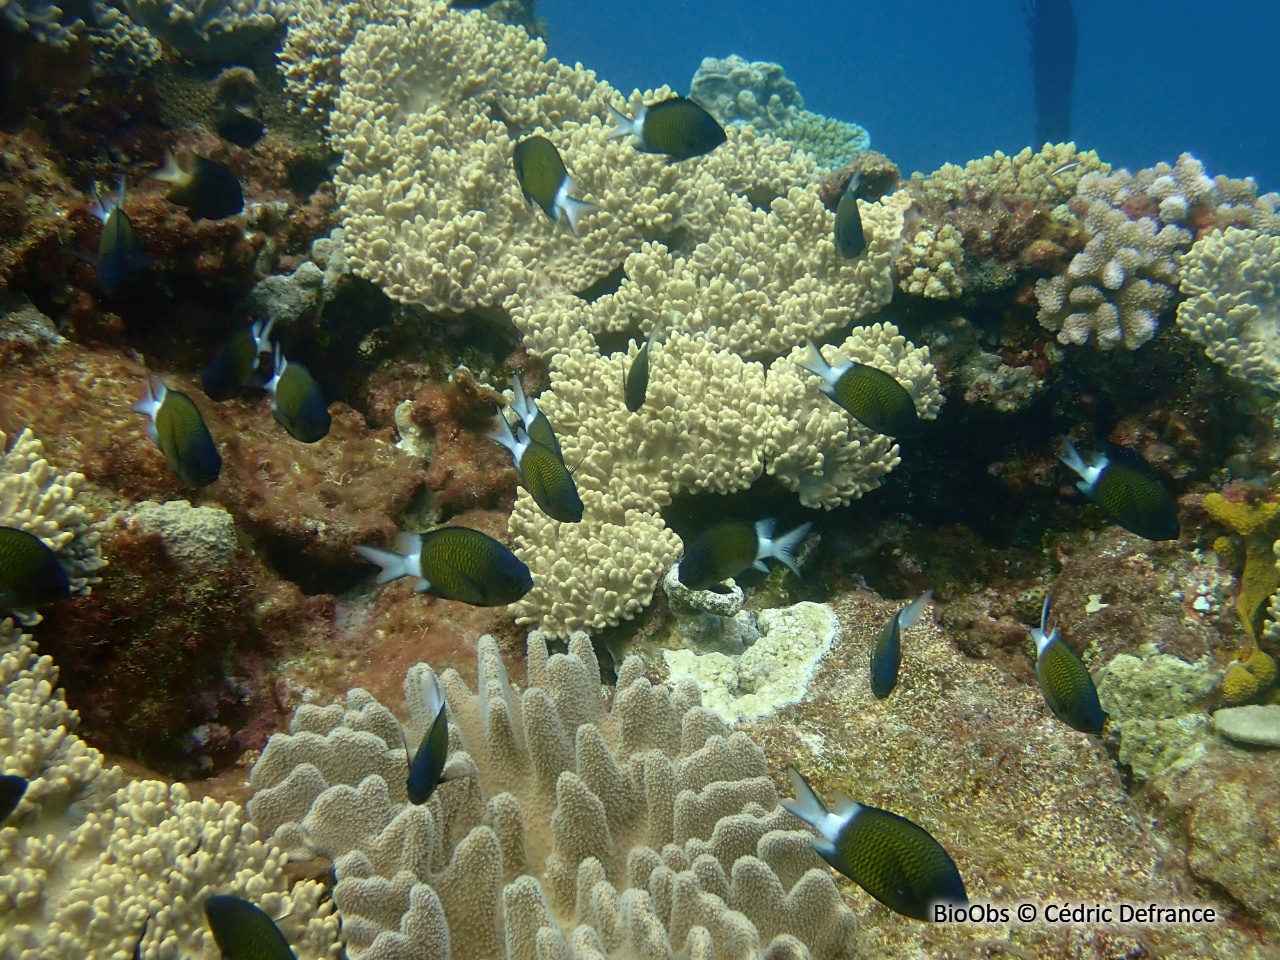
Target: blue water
(936, 81)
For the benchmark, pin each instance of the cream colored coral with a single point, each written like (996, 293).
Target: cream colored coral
(642, 828)
(815, 447)
(936, 255)
(36, 498)
(89, 863)
(763, 279)
(37, 728)
(1137, 226)
(1044, 176)
(1232, 281)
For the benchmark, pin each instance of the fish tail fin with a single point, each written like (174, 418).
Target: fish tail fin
(520, 404)
(626, 127)
(150, 401)
(784, 547)
(392, 565)
(813, 361)
(855, 181)
(502, 434)
(171, 172)
(574, 210)
(910, 614)
(262, 337)
(122, 191)
(1071, 457)
(806, 804)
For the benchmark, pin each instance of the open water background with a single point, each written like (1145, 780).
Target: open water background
(936, 81)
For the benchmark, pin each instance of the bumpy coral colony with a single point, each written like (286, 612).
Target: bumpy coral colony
(344, 283)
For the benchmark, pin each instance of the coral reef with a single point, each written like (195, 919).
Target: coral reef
(204, 30)
(980, 226)
(1230, 278)
(1225, 809)
(736, 91)
(42, 19)
(1253, 515)
(773, 672)
(1135, 227)
(36, 498)
(1156, 705)
(644, 825)
(711, 422)
(121, 47)
(81, 834)
(1029, 810)
(1248, 678)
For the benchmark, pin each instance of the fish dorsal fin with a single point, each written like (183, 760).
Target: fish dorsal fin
(408, 543)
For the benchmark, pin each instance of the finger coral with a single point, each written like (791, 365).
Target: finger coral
(640, 828)
(1232, 281)
(730, 256)
(36, 498)
(211, 31)
(1136, 226)
(95, 868)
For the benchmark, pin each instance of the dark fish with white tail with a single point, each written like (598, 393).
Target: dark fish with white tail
(12, 789)
(1065, 681)
(676, 126)
(454, 563)
(426, 767)
(243, 931)
(179, 430)
(535, 422)
(635, 384)
(874, 398)
(728, 548)
(543, 473)
(886, 655)
(896, 861)
(30, 575)
(849, 236)
(297, 402)
(242, 359)
(544, 180)
(1122, 484)
(207, 189)
(121, 258)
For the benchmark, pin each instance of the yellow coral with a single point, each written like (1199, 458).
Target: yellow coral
(1239, 685)
(1245, 679)
(1263, 666)
(1255, 522)
(1244, 518)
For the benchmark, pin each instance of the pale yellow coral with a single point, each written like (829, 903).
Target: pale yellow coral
(1231, 279)
(730, 256)
(816, 447)
(936, 255)
(588, 829)
(88, 863)
(1048, 175)
(36, 498)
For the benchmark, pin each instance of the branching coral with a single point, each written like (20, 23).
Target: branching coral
(981, 224)
(36, 498)
(1136, 226)
(1256, 520)
(640, 829)
(730, 255)
(1232, 280)
(219, 30)
(93, 868)
(42, 19)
